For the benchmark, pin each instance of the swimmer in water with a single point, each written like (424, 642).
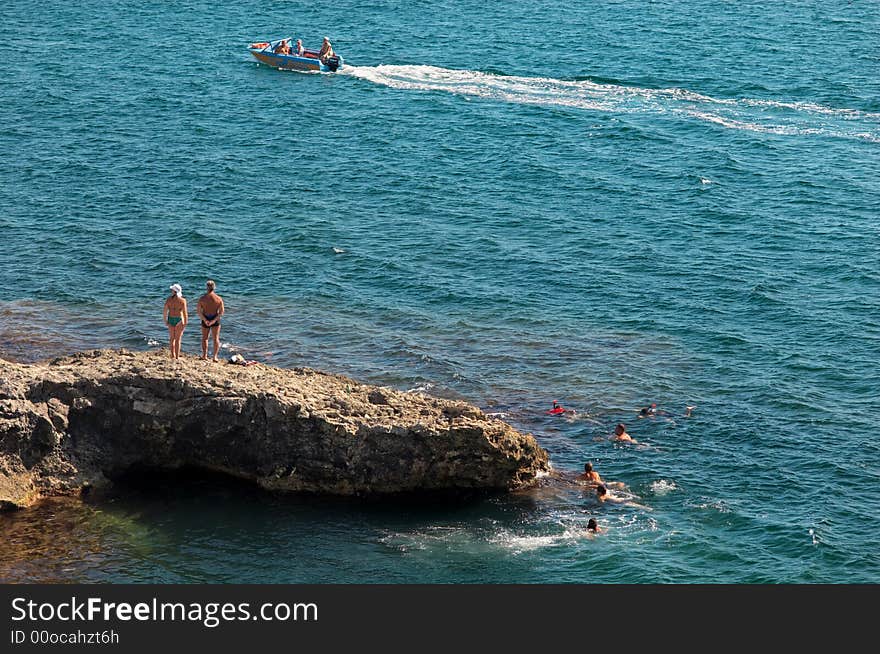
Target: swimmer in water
(557, 409)
(621, 435)
(593, 526)
(603, 495)
(592, 478)
(648, 411)
(589, 475)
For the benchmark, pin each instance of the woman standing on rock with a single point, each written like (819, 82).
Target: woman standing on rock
(175, 317)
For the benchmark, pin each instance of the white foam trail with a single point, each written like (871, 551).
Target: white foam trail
(813, 108)
(787, 118)
(785, 130)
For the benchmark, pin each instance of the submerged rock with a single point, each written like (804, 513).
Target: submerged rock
(82, 421)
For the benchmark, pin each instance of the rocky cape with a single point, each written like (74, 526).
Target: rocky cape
(82, 421)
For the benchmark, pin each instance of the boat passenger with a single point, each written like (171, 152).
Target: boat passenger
(326, 50)
(299, 48)
(282, 47)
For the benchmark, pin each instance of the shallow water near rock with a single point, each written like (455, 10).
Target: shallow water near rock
(606, 205)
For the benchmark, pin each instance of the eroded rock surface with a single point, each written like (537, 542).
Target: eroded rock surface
(84, 420)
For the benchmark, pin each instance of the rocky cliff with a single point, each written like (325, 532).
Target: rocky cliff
(83, 421)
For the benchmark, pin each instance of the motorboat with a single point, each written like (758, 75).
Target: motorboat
(282, 55)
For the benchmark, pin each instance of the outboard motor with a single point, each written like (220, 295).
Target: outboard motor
(333, 63)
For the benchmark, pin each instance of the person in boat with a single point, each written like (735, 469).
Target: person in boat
(283, 47)
(175, 316)
(210, 309)
(326, 50)
(299, 50)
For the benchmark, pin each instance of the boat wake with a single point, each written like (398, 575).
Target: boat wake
(756, 115)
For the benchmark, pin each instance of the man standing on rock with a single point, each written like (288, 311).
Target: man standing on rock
(210, 309)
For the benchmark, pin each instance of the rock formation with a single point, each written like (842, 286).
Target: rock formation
(85, 420)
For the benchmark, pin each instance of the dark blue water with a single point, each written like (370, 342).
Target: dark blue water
(609, 205)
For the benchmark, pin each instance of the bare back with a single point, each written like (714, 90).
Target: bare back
(591, 477)
(175, 306)
(211, 304)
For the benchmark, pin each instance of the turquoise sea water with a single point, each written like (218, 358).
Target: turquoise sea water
(606, 203)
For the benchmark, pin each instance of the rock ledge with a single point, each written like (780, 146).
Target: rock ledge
(82, 421)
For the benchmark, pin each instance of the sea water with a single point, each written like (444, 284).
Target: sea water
(607, 204)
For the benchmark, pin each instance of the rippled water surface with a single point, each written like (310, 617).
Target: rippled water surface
(607, 203)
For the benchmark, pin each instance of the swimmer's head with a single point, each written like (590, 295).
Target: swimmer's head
(588, 467)
(621, 428)
(601, 491)
(592, 525)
